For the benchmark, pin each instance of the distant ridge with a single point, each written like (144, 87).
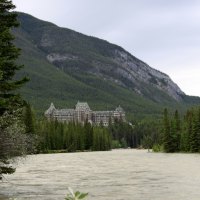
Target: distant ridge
(65, 65)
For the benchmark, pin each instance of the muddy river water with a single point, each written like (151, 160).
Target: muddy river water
(113, 175)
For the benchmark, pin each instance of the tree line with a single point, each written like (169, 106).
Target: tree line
(172, 134)
(53, 135)
(71, 137)
(181, 135)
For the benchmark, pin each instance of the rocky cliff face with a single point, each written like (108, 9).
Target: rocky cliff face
(123, 68)
(137, 71)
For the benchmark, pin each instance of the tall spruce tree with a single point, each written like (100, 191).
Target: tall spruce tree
(198, 127)
(195, 135)
(10, 101)
(88, 129)
(177, 121)
(173, 138)
(167, 138)
(29, 119)
(177, 131)
(185, 137)
(189, 127)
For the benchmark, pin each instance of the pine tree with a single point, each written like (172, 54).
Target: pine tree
(173, 138)
(167, 139)
(195, 135)
(185, 139)
(198, 128)
(188, 130)
(9, 101)
(96, 144)
(88, 132)
(29, 119)
(177, 121)
(177, 132)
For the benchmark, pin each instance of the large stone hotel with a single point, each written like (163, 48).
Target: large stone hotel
(82, 112)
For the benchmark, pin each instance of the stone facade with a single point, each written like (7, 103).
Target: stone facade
(82, 112)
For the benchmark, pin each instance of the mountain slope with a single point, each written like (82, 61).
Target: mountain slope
(66, 66)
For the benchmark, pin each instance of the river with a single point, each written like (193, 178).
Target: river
(113, 175)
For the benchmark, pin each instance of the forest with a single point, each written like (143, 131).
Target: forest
(172, 133)
(181, 135)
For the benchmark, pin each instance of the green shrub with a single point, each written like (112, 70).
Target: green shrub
(75, 196)
(157, 148)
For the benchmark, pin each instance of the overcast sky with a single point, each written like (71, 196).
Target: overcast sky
(163, 33)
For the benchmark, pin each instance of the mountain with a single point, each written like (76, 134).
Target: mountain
(66, 66)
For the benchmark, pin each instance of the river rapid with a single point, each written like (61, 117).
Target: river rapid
(113, 175)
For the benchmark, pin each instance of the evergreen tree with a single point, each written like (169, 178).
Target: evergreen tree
(29, 119)
(10, 102)
(177, 121)
(88, 132)
(96, 140)
(195, 134)
(147, 142)
(173, 138)
(185, 139)
(176, 135)
(189, 127)
(167, 139)
(198, 128)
